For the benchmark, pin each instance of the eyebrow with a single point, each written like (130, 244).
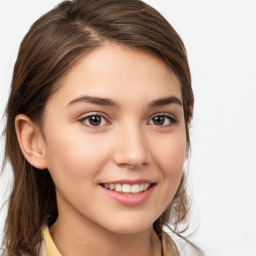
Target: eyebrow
(110, 103)
(96, 101)
(166, 101)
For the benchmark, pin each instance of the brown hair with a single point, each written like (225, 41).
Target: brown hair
(52, 45)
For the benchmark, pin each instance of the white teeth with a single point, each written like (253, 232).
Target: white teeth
(111, 186)
(141, 187)
(118, 187)
(136, 188)
(146, 185)
(127, 188)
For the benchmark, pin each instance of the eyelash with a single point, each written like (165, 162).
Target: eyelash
(172, 120)
(83, 120)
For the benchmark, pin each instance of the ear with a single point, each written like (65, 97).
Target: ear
(31, 141)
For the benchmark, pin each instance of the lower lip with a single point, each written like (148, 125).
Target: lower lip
(130, 199)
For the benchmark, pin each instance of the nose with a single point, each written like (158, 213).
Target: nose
(131, 149)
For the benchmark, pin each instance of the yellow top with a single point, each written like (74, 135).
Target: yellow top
(48, 248)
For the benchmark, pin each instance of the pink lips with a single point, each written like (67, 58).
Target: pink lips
(129, 199)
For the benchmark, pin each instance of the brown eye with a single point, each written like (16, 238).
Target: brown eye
(162, 120)
(93, 121)
(158, 120)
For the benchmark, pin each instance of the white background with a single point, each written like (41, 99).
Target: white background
(220, 36)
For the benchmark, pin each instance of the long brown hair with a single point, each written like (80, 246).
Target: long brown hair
(52, 45)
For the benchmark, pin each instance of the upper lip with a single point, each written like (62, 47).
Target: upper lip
(130, 182)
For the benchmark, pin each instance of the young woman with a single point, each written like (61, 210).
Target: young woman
(97, 132)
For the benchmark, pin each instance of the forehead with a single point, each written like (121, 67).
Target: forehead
(113, 70)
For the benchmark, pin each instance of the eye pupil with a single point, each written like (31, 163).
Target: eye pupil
(95, 120)
(158, 120)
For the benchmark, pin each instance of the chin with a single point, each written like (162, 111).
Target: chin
(131, 226)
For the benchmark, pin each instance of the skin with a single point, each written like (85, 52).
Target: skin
(81, 156)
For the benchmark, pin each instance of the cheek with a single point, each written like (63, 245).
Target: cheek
(76, 157)
(74, 164)
(170, 158)
(171, 155)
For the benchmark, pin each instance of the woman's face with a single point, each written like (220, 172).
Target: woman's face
(115, 140)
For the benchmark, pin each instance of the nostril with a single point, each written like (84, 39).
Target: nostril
(133, 165)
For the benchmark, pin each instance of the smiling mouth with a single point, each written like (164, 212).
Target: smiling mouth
(127, 188)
